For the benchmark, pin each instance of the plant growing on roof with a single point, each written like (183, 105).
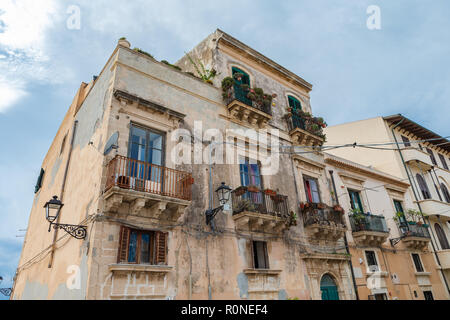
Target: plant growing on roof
(143, 52)
(207, 75)
(171, 65)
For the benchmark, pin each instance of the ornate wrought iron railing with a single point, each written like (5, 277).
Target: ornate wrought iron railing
(414, 230)
(368, 222)
(142, 176)
(238, 93)
(255, 200)
(320, 213)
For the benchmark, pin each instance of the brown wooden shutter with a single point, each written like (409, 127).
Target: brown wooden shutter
(161, 247)
(124, 237)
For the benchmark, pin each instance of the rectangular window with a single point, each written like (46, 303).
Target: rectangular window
(250, 173)
(355, 200)
(378, 296)
(399, 208)
(428, 295)
(417, 262)
(433, 159)
(142, 247)
(311, 189)
(146, 146)
(372, 263)
(406, 142)
(260, 256)
(444, 163)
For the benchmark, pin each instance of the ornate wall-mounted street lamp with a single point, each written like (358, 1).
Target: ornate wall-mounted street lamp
(223, 193)
(5, 291)
(52, 210)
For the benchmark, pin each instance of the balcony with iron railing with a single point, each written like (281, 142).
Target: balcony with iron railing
(322, 221)
(414, 235)
(256, 210)
(242, 108)
(369, 229)
(304, 129)
(146, 188)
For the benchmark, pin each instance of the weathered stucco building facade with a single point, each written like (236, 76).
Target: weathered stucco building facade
(284, 233)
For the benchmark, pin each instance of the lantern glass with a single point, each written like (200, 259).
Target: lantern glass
(52, 209)
(223, 193)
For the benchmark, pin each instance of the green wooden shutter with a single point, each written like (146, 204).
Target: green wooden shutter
(39, 181)
(294, 103)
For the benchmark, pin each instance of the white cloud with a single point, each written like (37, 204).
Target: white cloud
(10, 92)
(23, 57)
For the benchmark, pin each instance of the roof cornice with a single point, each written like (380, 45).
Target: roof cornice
(255, 55)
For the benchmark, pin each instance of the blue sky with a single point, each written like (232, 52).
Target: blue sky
(357, 73)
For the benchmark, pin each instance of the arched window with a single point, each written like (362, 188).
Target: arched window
(441, 236)
(423, 187)
(297, 121)
(294, 103)
(239, 93)
(445, 192)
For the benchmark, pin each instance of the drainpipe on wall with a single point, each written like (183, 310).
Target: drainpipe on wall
(61, 197)
(345, 239)
(418, 204)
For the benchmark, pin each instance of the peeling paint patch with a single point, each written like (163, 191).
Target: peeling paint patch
(282, 294)
(54, 171)
(242, 281)
(34, 291)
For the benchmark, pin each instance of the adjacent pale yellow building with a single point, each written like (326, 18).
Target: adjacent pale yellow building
(403, 148)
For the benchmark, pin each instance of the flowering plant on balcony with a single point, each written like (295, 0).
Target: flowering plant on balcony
(411, 216)
(292, 218)
(270, 192)
(304, 205)
(314, 125)
(256, 95)
(338, 208)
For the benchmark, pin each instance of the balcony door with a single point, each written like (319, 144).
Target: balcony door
(355, 200)
(239, 93)
(146, 153)
(250, 173)
(296, 106)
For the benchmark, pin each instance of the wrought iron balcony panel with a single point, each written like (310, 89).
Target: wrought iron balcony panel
(300, 132)
(323, 222)
(253, 210)
(247, 111)
(415, 236)
(369, 230)
(139, 188)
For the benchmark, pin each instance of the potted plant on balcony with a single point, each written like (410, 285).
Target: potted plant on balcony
(338, 208)
(292, 218)
(239, 191)
(244, 205)
(270, 192)
(252, 188)
(359, 218)
(277, 198)
(321, 205)
(304, 205)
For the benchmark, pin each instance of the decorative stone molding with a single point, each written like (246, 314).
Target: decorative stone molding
(258, 222)
(304, 138)
(370, 238)
(247, 114)
(416, 243)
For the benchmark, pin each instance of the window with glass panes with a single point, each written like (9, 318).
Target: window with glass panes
(311, 189)
(417, 262)
(443, 161)
(250, 173)
(372, 262)
(146, 145)
(355, 200)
